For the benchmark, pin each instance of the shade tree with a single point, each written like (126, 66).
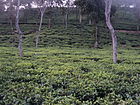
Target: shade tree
(94, 9)
(2, 5)
(108, 6)
(16, 4)
(42, 5)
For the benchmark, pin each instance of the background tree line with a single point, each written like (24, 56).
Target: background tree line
(95, 11)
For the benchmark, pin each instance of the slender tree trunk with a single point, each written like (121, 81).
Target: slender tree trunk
(89, 22)
(76, 13)
(89, 19)
(66, 20)
(49, 23)
(19, 31)
(11, 17)
(108, 4)
(80, 16)
(39, 29)
(96, 45)
(138, 28)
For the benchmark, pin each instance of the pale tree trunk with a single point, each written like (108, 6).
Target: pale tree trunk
(66, 17)
(66, 20)
(89, 22)
(39, 29)
(19, 31)
(76, 14)
(138, 15)
(89, 19)
(108, 5)
(11, 17)
(96, 45)
(138, 28)
(49, 24)
(80, 16)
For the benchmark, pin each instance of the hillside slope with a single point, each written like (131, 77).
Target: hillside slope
(75, 36)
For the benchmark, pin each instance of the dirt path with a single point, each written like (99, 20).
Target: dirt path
(126, 31)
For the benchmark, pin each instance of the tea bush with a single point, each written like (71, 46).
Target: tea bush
(69, 76)
(75, 36)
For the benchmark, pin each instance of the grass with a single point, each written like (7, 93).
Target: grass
(69, 76)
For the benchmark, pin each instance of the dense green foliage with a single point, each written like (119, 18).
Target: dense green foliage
(68, 76)
(66, 69)
(93, 8)
(75, 36)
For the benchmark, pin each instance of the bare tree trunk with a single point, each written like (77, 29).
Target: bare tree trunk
(11, 17)
(89, 22)
(19, 31)
(49, 23)
(89, 19)
(96, 45)
(80, 16)
(138, 28)
(39, 29)
(76, 14)
(66, 20)
(108, 4)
